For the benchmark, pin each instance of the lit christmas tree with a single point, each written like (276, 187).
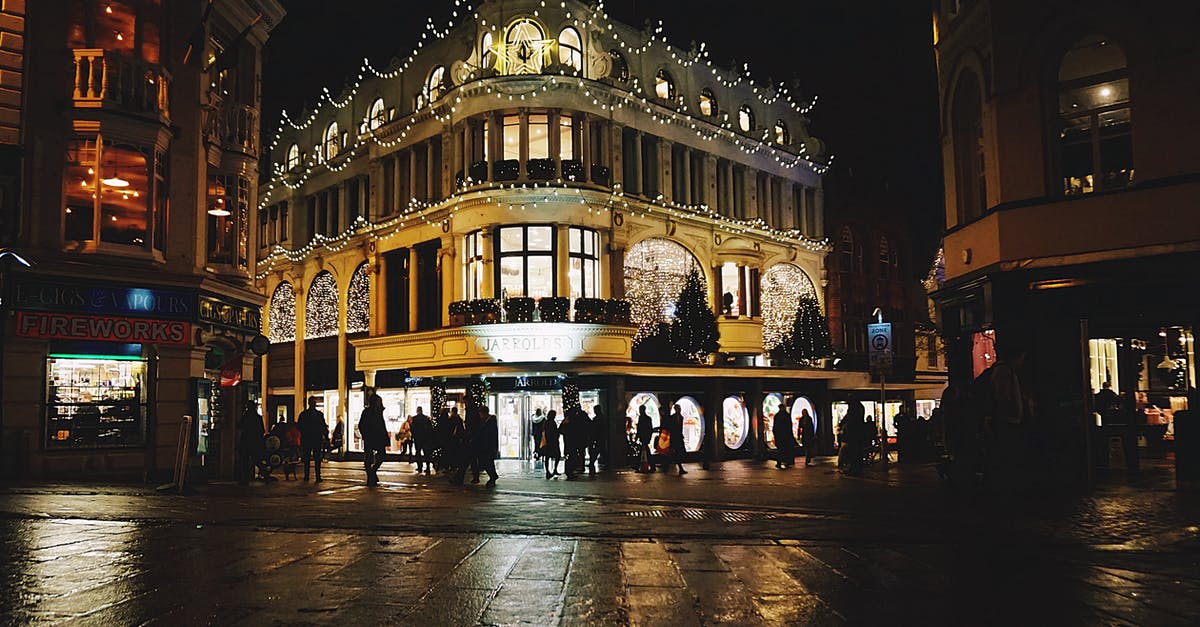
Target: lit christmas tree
(693, 333)
(809, 341)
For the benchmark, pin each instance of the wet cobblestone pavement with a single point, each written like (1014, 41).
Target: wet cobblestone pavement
(744, 544)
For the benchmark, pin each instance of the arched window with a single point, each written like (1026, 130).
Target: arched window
(620, 68)
(487, 56)
(293, 157)
(570, 48)
(282, 321)
(745, 119)
(885, 256)
(1095, 135)
(434, 84)
(525, 48)
(783, 285)
(664, 85)
(378, 115)
(969, 171)
(332, 143)
(782, 137)
(358, 302)
(321, 308)
(708, 103)
(851, 251)
(655, 272)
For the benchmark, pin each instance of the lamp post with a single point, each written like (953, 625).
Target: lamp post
(879, 340)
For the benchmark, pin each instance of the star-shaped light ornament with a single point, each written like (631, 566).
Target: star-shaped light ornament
(524, 52)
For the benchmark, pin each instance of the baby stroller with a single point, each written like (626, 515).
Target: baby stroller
(277, 453)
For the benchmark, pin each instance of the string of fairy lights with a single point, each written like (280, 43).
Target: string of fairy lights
(322, 298)
(783, 285)
(518, 197)
(358, 304)
(597, 19)
(281, 324)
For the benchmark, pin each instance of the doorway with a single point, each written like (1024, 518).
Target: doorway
(514, 418)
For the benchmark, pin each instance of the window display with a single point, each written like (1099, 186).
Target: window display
(799, 406)
(648, 399)
(771, 405)
(693, 423)
(736, 420)
(95, 402)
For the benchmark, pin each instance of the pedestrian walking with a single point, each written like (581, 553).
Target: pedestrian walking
(455, 447)
(576, 428)
(538, 421)
(487, 445)
(471, 423)
(673, 425)
(550, 449)
(597, 440)
(338, 438)
(313, 433)
(785, 439)
(422, 431)
(808, 436)
(405, 440)
(250, 443)
(645, 433)
(375, 437)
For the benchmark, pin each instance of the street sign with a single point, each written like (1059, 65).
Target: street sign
(879, 341)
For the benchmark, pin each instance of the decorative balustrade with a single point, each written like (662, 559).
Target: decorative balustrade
(235, 127)
(105, 79)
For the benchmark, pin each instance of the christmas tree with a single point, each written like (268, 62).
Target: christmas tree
(693, 333)
(809, 341)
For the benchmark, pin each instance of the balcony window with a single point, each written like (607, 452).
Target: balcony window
(708, 103)
(511, 136)
(1095, 140)
(539, 136)
(473, 266)
(570, 49)
(566, 137)
(733, 286)
(526, 261)
(127, 27)
(228, 206)
(584, 254)
(664, 85)
(434, 85)
(112, 202)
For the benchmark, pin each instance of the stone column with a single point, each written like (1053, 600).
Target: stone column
(585, 145)
(638, 184)
(616, 165)
(448, 266)
(412, 178)
(713, 449)
(413, 292)
(562, 260)
(754, 400)
(487, 286)
(331, 414)
(687, 179)
(665, 166)
(298, 365)
(554, 141)
(378, 322)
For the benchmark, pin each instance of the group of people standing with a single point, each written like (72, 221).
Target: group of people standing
(669, 444)
(583, 437)
(447, 443)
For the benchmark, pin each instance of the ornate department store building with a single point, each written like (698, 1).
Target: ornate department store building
(474, 214)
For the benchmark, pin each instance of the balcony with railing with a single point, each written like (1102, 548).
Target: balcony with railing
(234, 127)
(111, 81)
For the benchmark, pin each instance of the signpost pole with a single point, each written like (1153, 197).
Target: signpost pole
(883, 441)
(879, 341)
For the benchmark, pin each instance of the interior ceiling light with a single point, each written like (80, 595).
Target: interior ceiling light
(115, 181)
(219, 209)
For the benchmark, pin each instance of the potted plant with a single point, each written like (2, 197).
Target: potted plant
(519, 309)
(485, 311)
(554, 308)
(589, 310)
(617, 311)
(458, 313)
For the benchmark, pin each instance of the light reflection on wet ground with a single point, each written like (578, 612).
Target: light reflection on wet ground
(619, 550)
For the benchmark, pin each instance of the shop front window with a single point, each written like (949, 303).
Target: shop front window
(584, 245)
(736, 422)
(95, 402)
(526, 261)
(114, 200)
(693, 423)
(649, 400)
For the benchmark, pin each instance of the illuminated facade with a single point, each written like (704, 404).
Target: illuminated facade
(1070, 203)
(477, 210)
(133, 205)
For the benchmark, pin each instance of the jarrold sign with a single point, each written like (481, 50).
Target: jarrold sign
(60, 326)
(518, 347)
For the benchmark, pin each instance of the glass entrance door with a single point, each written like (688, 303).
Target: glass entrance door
(513, 419)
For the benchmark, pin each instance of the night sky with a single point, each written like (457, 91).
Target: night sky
(871, 63)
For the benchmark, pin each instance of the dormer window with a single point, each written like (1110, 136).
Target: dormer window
(293, 157)
(745, 119)
(782, 137)
(332, 142)
(664, 85)
(378, 114)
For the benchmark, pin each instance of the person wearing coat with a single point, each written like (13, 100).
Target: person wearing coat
(645, 433)
(375, 438)
(808, 436)
(785, 439)
(673, 425)
(422, 435)
(313, 433)
(551, 452)
(486, 441)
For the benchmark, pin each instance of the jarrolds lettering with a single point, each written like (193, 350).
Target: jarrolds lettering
(103, 328)
(526, 343)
